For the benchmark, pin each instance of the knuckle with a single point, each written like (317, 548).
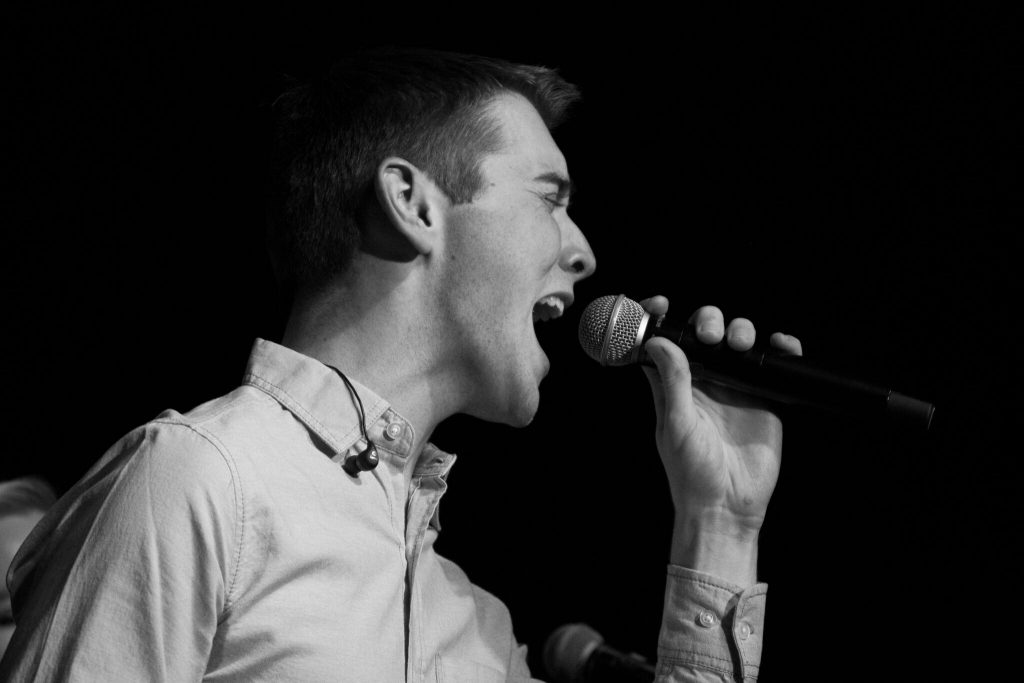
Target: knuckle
(710, 323)
(711, 313)
(741, 333)
(655, 304)
(741, 327)
(787, 342)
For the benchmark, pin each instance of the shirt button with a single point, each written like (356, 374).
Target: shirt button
(743, 632)
(392, 431)
(706, 619)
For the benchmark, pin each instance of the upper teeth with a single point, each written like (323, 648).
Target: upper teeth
(547, 308)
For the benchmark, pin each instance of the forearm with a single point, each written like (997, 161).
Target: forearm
(714, 544)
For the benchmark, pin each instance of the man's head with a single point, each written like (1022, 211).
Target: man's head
(429, 108)
(509, 259)
(425, 196)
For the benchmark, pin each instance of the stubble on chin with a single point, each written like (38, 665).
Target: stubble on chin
(524, 407)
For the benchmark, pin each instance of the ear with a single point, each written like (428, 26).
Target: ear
(411, 201)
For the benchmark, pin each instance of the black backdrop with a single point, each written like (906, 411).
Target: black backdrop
(852, 179)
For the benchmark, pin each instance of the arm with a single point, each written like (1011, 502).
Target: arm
(722, 452)
(126, 578)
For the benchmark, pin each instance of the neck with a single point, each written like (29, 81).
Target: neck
(363, 326)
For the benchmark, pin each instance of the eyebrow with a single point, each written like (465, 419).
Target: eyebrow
(565, 186)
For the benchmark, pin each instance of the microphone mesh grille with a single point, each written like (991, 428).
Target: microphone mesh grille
(595, 321)
(620, 346)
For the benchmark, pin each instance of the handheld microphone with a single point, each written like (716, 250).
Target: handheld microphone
(576, 653)
(613, 331)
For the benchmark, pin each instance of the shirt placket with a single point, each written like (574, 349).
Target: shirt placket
(425, 494)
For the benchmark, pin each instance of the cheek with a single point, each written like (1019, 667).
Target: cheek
(550, 241)
(499, 259)
(535, 244)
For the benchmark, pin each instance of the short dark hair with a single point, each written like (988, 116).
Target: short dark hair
(428, 107)
(27, 494)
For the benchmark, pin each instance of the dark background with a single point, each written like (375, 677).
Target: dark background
(852, 179)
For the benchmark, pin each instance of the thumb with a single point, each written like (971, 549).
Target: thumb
(672, 386)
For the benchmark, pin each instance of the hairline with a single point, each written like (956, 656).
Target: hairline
(487, 109)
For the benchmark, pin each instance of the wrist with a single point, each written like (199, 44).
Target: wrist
(716, 544)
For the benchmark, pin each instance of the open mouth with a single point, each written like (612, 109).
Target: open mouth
(548, 308)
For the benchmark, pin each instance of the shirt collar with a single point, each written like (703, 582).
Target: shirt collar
(318, 397)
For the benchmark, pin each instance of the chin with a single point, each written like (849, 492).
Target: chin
(519, 411)
(508, 394)
(524, 417)
(526, 408)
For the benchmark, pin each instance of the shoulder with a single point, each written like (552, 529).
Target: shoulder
(243, 408)
(243, 424)
(161, 491)
(156, 472)
(175, 461)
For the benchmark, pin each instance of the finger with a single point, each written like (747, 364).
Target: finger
(657, 393)
(656, 305)
(786, 343)
(710, 324)
(740, 334)
(673, 379)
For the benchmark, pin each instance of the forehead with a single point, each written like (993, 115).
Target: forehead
(529, 150)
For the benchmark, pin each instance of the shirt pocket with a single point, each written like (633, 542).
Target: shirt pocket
(455, 670)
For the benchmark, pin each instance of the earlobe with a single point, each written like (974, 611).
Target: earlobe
(409, 200)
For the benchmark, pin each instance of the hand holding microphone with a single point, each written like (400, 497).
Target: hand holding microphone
(720, 445)
(721, 452)
(614, 330)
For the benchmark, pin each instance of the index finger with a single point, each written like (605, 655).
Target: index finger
(655, 305)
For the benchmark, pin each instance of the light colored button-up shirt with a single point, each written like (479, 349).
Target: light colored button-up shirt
(227, 544)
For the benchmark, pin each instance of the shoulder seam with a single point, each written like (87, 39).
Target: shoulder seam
(188, 419)
(237, 489)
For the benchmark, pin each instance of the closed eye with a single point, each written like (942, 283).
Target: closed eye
(563, 188)
(556, 201)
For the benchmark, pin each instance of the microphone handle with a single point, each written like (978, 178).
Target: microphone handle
(790, 380)
(607, 665)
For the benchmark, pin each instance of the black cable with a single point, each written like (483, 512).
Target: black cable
(367, 458)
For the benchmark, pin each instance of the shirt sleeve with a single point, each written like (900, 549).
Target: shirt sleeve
(125, 579)
(711, 629)
(518, 669)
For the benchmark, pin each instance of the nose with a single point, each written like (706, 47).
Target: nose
(576, 257)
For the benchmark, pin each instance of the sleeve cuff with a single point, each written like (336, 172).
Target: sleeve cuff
(709, 623)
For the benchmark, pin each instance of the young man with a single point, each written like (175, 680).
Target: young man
(420, 217)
